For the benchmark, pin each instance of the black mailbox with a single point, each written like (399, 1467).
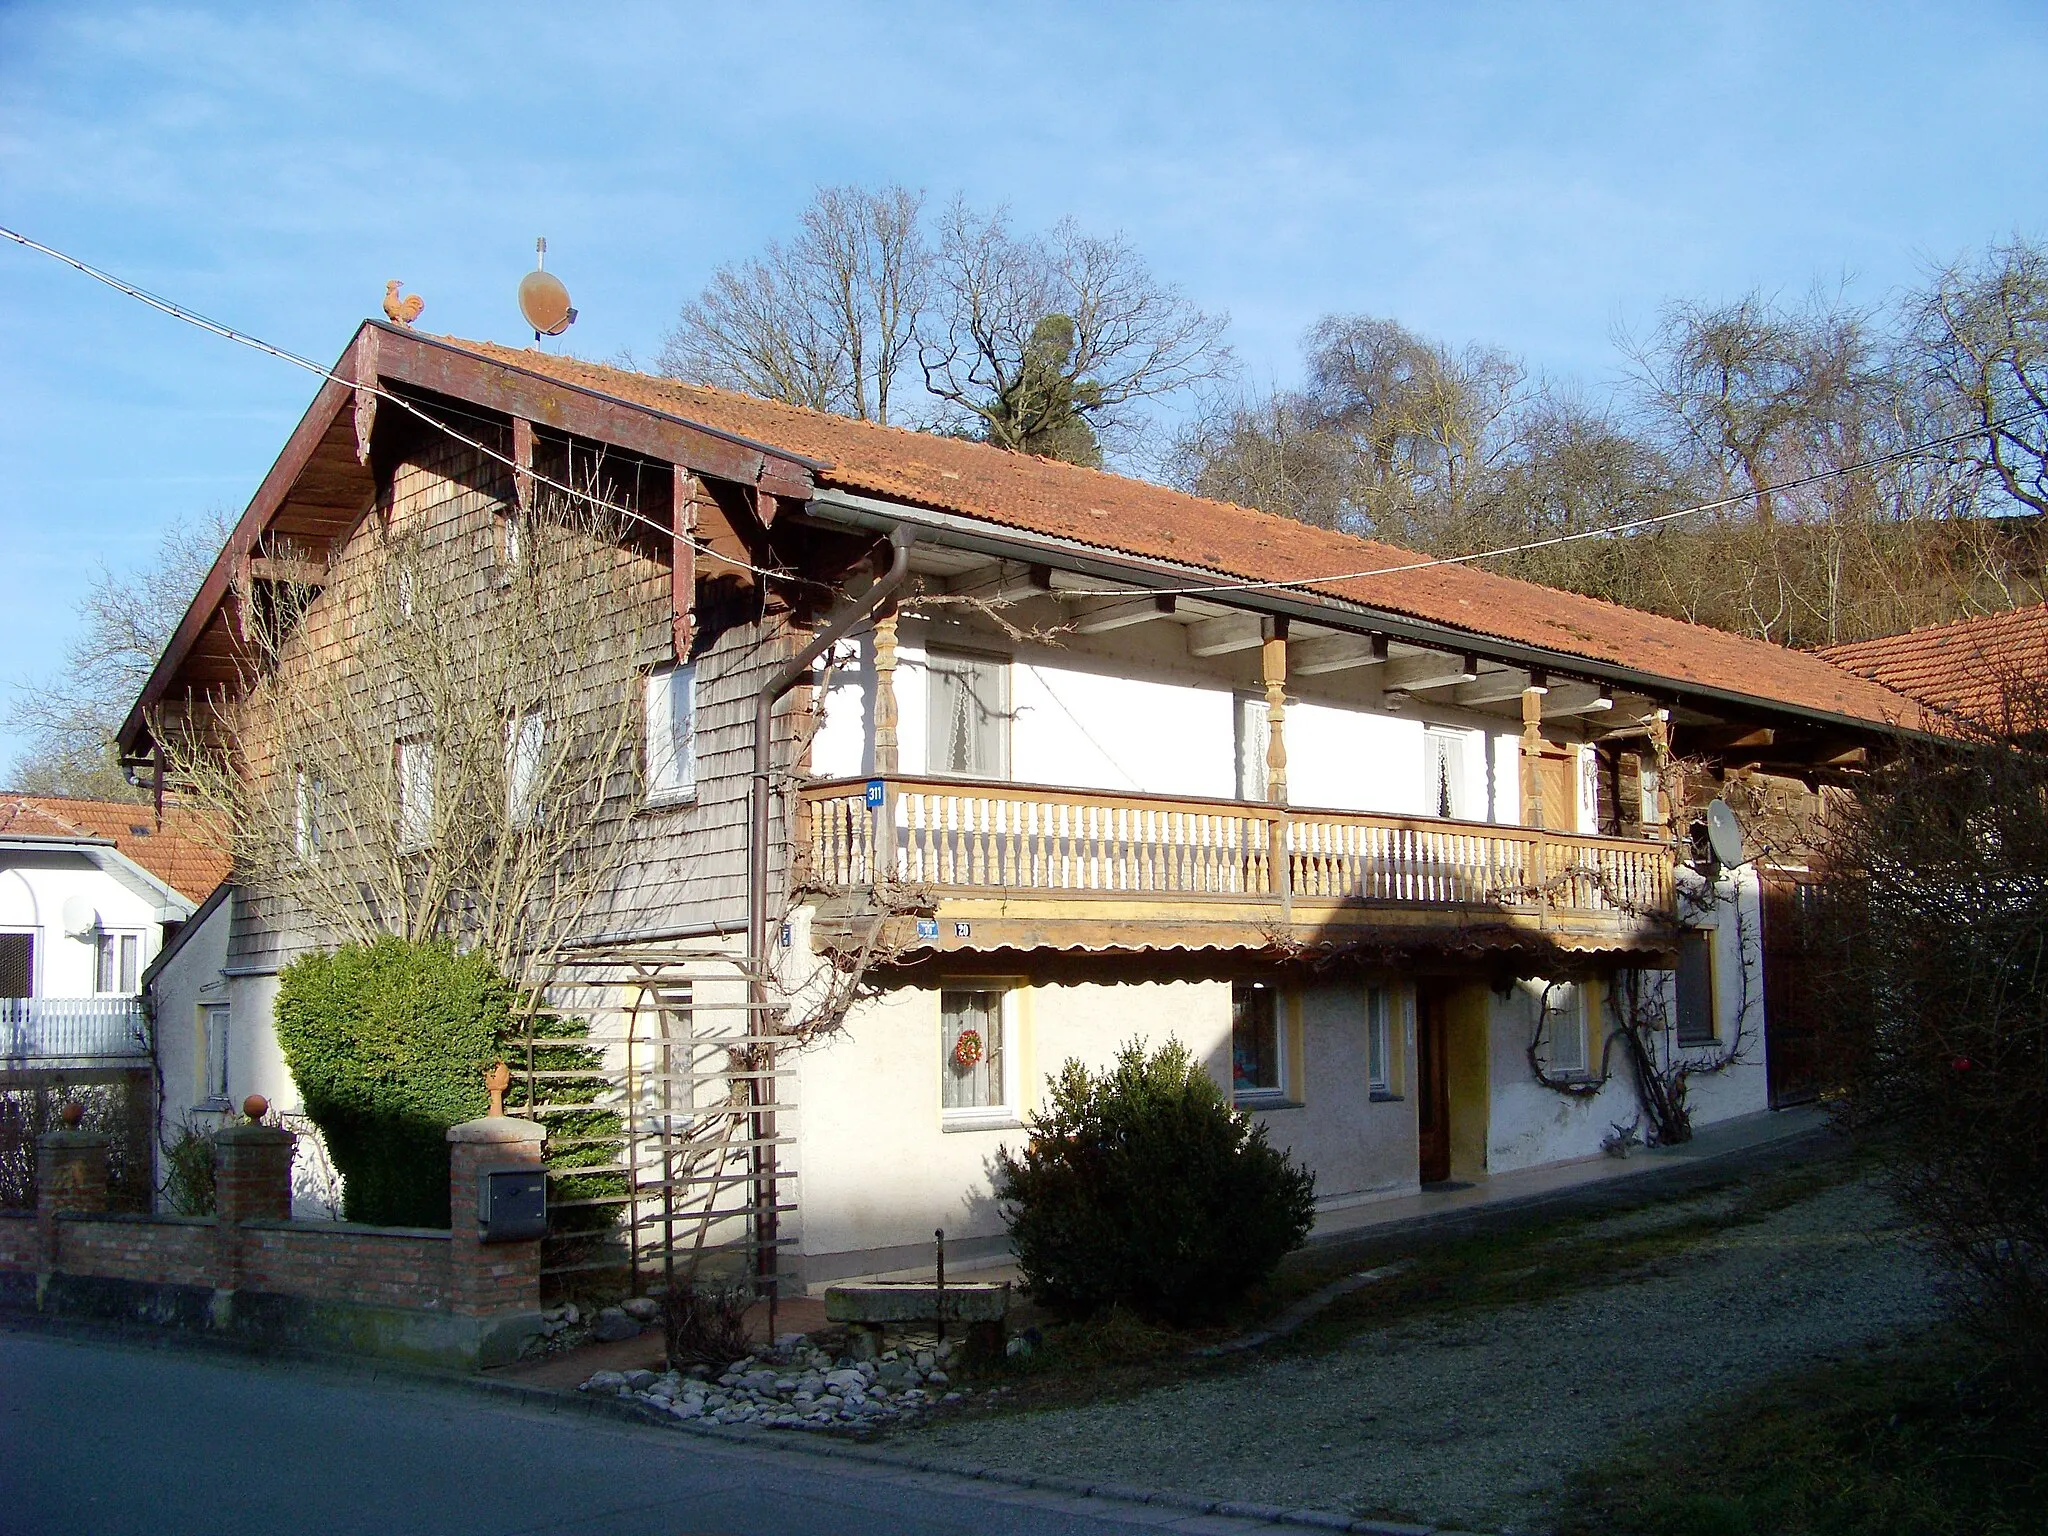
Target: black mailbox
(512, 1204)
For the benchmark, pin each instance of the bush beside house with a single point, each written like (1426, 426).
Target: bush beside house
(389, 1042)
(1144, 1187)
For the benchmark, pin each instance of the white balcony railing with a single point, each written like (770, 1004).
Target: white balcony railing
(71, 1028)
(1023, 839)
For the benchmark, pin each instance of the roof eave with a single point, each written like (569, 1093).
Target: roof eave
(874, 514)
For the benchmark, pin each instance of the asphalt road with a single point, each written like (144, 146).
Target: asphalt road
(101, 1439)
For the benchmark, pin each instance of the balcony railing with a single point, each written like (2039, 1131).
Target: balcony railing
(71, 1028)
(976, 836)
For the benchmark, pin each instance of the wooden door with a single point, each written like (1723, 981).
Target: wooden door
(1433, 1085)
(1792, 1048)
(1556, 782)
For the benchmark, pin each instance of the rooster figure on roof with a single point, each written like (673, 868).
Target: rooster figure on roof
(403, 311)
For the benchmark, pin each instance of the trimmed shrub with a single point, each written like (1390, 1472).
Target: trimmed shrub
(188, 1170)
(389, 1043)
(1144, 1187)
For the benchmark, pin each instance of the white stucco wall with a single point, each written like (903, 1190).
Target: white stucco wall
(1530, 1125)
(1138, 720)
(1361, 1149)
(189, 979)
(34, 888)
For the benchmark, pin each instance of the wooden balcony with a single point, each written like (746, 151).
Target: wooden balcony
(1004, 865)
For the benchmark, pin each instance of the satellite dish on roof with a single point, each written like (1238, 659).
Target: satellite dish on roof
(1724, 834)
(81, 918)
(543, 299)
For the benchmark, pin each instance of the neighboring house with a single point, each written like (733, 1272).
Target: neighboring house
(90, 892)
(1989, 671)
(1378, 839)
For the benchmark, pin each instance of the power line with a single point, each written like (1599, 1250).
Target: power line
(227, 332)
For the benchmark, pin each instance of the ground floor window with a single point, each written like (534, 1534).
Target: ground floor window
(1256, 1068)
(213, 1055)
(1564, 1028)
(1380, 1041)
(1696, 1024)
(973, 1052)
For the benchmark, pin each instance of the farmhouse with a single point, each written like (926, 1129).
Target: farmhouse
(1008, 761)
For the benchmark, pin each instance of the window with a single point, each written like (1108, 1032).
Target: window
(405, 591)
(17, 965)
(970, 716)
(120, 963)
(1253, 737)
(1381, 1042)
(309, 804)
(415, 793)
(1564, 1029)
(1255, 1065)
(525, 741)
(511, 541)
(1696, 1023)
(213, 1055)
(1444, 755)
(672, 732)
(973, 1052)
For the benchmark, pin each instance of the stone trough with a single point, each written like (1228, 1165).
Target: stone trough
(869, 1309)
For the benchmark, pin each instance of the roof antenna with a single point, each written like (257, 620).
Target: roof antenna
(543, 299)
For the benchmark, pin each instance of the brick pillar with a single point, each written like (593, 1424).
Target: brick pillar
(252, 1181)
(71, 1175)
(488, 1279)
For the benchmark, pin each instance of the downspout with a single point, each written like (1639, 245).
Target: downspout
(762, 1083)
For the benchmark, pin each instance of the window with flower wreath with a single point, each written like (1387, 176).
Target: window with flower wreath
(972, 1068)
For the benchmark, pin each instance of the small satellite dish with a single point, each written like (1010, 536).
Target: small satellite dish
(81, 918)
(1724, 834)
(543, 299)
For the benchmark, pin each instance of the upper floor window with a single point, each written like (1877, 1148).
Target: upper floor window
(213, 1055)
(1253, 739)
(17, 965)
(672, 732)
(119, 967)
(309, 803)
(415, 773)
(1446, 753)
(970, 715)
(525, 746)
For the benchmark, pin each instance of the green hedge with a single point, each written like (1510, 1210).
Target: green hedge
(388, 1043)
(1144, 1187)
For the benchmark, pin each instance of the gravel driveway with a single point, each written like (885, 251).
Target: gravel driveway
(1475, 1421)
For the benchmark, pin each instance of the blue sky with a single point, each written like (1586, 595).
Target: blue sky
(1528, 175)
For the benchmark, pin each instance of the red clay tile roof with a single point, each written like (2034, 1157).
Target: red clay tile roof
(1115, 514)
(1964, 668)
(180, 854)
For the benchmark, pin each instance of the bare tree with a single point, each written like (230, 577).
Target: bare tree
(126, 619)
(826, 321)
(1981, 334)
(1054, 345)
(423, 754)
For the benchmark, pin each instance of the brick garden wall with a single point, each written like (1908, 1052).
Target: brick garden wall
(155, 1250)
(329, 1261)
(436, 1297)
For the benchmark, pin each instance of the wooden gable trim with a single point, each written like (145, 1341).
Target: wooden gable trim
(357, 363)
(404, 357)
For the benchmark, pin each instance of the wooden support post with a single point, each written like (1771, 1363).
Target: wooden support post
(1531, 753)
(522, 461)
(887, 752)
(682, 571)
(1273, 671)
